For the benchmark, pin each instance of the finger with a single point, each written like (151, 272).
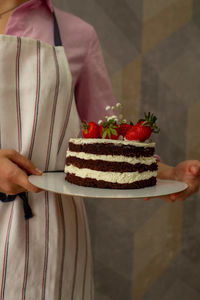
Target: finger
(22, 181)
(167, 198)
(195, 169)
(183, 195)
(175, 196)
(14, 177)
(23, 162)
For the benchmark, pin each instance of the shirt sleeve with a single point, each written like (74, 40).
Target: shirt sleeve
(157, 157)
(93, 90)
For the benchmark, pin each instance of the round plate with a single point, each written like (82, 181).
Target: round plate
(55, 182)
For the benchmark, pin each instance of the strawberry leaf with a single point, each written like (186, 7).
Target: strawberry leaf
(150, 121)
(85, 127)
(113, 131)
(109, 129)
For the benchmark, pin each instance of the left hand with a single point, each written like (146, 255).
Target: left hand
(187, 171)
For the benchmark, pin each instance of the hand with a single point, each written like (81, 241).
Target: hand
(14, 170)
(187, 171)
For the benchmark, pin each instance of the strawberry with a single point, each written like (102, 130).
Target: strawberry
(109, 130)
(90, 130)
(143, 129)
(138, 133)
(124, 127)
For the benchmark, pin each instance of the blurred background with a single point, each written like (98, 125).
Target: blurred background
(149, 250)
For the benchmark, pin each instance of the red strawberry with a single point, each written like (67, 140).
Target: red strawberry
(90, 130)
(124, 127)
(138, 133)
(109, 130)
(143, 129)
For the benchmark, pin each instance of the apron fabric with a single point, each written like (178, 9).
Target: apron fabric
(47, 256)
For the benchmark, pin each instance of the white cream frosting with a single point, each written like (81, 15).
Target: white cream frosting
(82, 141)
(125, 177)
(112, 158)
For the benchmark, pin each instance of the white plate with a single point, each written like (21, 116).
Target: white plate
(55, 182)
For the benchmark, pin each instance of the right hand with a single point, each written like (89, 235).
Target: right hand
(14, 170)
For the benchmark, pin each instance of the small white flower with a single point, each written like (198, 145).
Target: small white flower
(100, 122)
(124, 121)
(107, 107)
(113, 108)
(120, 116)
(112, 118)
(118, 105)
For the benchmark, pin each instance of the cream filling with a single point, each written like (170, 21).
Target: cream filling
(82, 141)
(113, 158)
(114, 177)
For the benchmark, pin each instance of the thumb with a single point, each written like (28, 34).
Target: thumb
(24, 163)
(195, 170)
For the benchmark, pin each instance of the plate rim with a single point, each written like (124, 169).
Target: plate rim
(82, 190)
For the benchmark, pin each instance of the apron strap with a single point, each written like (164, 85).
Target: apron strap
(57, 37)
(27, 210)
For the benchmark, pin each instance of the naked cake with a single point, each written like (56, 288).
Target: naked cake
(100, 159)
(111, 164)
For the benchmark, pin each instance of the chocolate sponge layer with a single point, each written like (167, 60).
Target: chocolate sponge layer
(111, 149)
(104, 184)
(108, 166)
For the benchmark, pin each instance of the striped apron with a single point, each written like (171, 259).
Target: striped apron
(48, 256)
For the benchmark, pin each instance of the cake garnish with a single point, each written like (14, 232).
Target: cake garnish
(143, 129)
(115, 126)
(124, 128)
(109, 129)
(90, 130)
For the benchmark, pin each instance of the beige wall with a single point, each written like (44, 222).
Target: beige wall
(149, 250)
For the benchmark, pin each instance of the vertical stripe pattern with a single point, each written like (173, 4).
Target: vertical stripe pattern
(65, 122)
(76, 251)
(19, 128)
(53, 110)
(39, 124)
(46, 246)
(5, 259)
(26, 260)
(86, 261)
(46, 168)
(19, 125)
(37, 99)
(59, 199)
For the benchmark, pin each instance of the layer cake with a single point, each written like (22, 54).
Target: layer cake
(114, 164)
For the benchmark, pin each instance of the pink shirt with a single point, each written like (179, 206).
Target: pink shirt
(92, 87)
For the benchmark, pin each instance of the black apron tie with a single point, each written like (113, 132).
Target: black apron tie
(27, 210)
